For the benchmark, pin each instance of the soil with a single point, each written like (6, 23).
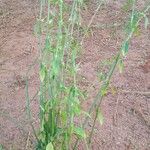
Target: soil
(126, 106)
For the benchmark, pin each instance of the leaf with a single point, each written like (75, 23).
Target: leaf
(42, 72)
(137, 31)
(63, 116)
(80, 132)
(146, 22)
(125, 48)
(55, 66)
(47, 43)
(42, 108)
(103, 90)
(47, 106)
(102, 76)
(120, 65)
(62, 87)
(76, 110)
(100, 117)
(49, 146)
(134, 19)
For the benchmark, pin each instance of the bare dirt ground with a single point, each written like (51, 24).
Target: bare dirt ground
(126, 111)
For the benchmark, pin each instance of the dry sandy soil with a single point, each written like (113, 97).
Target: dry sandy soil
(127, 115)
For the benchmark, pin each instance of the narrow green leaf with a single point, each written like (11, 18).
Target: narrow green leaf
(47, 43)
(103, 91)
(80, 132)
(125, 48)
(137, 31)
(63, 116)
(42, 72)
(102, 76)
(77, 110)
(120, 65)
(49, 146)
(100, 117)
(135, 19)
(42, 108)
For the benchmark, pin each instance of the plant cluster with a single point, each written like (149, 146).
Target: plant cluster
(58, 31)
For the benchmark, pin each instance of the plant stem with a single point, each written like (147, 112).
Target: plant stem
(99, 97)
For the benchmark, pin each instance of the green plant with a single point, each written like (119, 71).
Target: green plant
(60, 97)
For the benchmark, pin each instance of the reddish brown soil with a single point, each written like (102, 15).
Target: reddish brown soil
(127, 116)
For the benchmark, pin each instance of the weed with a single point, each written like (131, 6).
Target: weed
(59, 94)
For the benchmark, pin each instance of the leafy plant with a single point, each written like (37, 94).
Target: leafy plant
(60, 97)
